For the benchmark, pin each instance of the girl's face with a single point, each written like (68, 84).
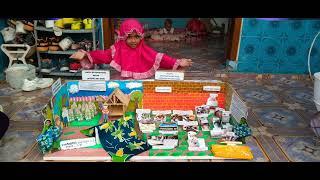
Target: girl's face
(133, 40)
(48, 122)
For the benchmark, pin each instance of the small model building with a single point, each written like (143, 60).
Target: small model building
(117, 103)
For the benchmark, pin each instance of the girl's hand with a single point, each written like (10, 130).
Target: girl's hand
(79, 55)
(185, 62)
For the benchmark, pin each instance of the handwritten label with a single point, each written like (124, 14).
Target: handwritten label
(238, 108)
(96, 75)
(92, 85)
(211, 88)
(77, 143)
(187, 123)
(161, 112)
(164, 89)
(169, 75)
(183, 113)
(56, 87)
(143, 111)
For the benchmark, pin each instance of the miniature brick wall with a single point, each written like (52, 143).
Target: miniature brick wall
(184, 96)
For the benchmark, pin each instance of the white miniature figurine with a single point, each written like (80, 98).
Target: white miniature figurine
(212, 101)
(83, 109)
(79, 114)
(74, 107)
(70, 116)
(88, 114)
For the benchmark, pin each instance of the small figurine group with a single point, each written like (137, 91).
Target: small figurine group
(85, 110)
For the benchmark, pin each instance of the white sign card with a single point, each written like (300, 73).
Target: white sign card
(97, 135)
(56, 87)
(238, 108)
(211, 88)
(164, 89)
(143, 111)
(96, 75)
(77, 143)
(187, 123)
(92, 85)
(183, 113)
(161, 112)
(169, 75)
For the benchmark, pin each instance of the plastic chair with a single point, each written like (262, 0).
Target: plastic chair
(19, 55)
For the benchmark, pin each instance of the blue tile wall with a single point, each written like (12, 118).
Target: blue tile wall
(159, 22)
(278, 46)
(3, 58)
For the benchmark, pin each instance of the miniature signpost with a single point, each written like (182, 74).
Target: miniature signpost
(92, 85)
(77, 143)
(56, 87)
(169, 75)
(96, 75)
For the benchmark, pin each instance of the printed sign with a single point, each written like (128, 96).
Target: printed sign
(96, 75)
(164, 89)
(141, 111)
(187, 123)
(161, 112)
(92, 85)
(56, 87)
(183, 113)
(77, 143)
(211, 88)
(238, 108)
(169, 75)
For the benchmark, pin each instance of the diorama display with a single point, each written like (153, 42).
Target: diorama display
(122, 120)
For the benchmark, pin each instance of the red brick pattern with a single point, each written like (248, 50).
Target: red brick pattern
(184, 96)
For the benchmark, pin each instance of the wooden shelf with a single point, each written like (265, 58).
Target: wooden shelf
(41, 28)
(69, 52)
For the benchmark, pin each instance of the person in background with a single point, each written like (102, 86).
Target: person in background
(167, 29)
(196, 27)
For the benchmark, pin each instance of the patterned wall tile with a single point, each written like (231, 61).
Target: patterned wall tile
(279, 46)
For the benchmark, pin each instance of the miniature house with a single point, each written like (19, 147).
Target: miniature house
(117, 103)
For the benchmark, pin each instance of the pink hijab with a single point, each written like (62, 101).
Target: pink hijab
(138, 63)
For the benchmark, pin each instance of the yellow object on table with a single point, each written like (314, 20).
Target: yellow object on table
(232, 151)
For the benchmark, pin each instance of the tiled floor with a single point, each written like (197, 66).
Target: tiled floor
(280, 108)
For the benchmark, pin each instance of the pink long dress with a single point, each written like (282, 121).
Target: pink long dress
(137, 63)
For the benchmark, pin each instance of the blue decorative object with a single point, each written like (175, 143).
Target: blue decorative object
(119, 139)
(47, 139)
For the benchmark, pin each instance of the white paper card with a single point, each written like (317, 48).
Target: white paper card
(77, 143)
(96, 75)
(164, 89)
(211, 88)
(169, 75)
(92, 85)
(183, 113)
(187, 123)
(56, 87)
(161, 112)
(143, 111)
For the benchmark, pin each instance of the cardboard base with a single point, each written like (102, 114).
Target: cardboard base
(87, 154)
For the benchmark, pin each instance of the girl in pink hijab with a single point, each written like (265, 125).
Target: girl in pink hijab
(130, 55)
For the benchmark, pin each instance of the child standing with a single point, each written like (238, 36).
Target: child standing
(130, 55)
